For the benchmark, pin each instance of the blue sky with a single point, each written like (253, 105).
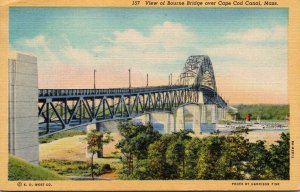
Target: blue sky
(248, 47)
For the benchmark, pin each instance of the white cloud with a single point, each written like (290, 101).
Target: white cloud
(99, 49)
(76, 56)
(252, 69)
(155, 52)
(275, 34)
(37, 41)
(238, 66)
(167, 36)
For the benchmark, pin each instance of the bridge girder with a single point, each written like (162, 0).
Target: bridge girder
(60, 112)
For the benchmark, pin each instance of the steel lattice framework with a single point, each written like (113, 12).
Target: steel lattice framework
(62, 109)
(198, 71)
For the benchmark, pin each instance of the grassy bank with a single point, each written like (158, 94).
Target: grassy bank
(75, 168)
(60, 135)
(19, 169)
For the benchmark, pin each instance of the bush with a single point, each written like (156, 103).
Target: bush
(78, 168)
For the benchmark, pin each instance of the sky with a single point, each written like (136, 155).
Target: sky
(248, 47)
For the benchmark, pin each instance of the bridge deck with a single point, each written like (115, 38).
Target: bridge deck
(44, 93)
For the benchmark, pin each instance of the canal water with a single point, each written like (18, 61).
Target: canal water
(209, 128)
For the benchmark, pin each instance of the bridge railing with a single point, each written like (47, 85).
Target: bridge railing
(79, 92)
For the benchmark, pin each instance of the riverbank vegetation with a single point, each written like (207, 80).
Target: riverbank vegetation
(148, 155)
(263, 112)
(75, 168)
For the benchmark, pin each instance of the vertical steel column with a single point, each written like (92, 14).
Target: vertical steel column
(103, 107)
(93, 107)
(129, 104)
(84, 109)
(122, 101)
(80, 110)
(65, 111)
(48, 117)
(61, 110)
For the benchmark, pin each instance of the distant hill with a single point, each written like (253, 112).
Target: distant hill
(19, 169)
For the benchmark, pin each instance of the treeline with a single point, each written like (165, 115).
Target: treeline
(263, 111)
(148, 155)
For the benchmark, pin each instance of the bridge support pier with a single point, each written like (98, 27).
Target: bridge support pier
(221, 114)
(209, 117)
(210, 114)
(144, 119)
(192, 117)
(203, 114)
(180, 123)
(166, 119)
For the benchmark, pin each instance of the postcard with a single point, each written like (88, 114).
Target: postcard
(155, 95)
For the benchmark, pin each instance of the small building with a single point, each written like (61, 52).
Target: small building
(248, 117)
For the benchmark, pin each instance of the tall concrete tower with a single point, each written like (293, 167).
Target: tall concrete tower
(22, 107)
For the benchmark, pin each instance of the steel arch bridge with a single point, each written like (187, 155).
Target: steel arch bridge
(63, 109)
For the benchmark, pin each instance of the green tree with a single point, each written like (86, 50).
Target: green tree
(193, 149)
(258, 166)
(158, 168)
(95, 142)
(210, 153)
(234, 157)
(135, 142)
(280, 157)
(175, 153)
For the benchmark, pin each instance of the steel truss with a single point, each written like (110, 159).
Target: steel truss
(58, 110)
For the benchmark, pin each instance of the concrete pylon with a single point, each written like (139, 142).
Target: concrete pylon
(194, 110)
(144, 119)
(214, 114)
(180, 123)
(23, 131)
(203, 114)
(220, 114)
(167, 119)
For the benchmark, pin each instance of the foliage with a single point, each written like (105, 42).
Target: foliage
(78, 168)
(95, 140)
(210, 152)
(216, 157)
(259, 162)
(135, 142)
(157, 165)
(280, 156)
(19, 169)
(60, 135)
(264, 111)
(192, 152)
